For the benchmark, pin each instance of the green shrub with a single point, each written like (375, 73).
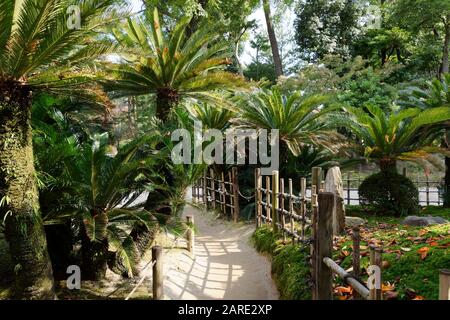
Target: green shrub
(390, 193)
(289, 264)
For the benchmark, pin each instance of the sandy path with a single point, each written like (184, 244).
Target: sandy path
(225, 266)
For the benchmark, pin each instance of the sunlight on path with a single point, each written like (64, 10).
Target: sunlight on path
(226, 266)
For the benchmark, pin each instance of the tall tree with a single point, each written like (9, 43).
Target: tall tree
(323, 27)
(272, 38)
(37, 44)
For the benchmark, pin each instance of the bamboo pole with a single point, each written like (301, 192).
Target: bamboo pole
(282, 215)
(230, 184)
(356, 255)
(275, 204)
(313, 246)
(316, 177)
(268, 199)
(291, 209)
(223, 195)
(258, 197)
(303, 205)
(213, 187)
(236, 210)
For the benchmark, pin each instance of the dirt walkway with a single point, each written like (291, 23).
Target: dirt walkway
(225, 266)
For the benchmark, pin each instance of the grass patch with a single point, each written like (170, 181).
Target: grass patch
(289, 264)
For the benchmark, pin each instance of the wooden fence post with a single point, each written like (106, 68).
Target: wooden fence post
(291, 209)
(190, 234)
(234, 175)
(303, 205)
(205, 191)
(275, 203)
(223, 195)
(316, 178)
(313, 246)
(213, 187)
(281, 212)
(258, 197)
(268, 199)
(158, 289)
(444, 284)
(376, 292)
(356, 257)
(324, 244)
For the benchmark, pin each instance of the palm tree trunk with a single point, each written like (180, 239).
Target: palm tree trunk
(24, 228)
(166, 99)
(272, 39)
(388, 164)
(94, 255)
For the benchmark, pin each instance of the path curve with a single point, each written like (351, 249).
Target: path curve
(225, 266)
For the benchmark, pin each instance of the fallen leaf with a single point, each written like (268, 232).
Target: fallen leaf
(388, 287)
(423, 252)
(342, 290)
(434, 243)
(405, 249)
(417, 297)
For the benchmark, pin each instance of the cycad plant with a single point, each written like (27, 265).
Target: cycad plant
(432, 94)
(98, 191)
(171, 65)
(299, 119)
(39, 51)
(407, 135)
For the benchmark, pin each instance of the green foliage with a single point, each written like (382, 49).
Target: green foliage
(171, 66)
(406, 135)
(289, 264)
(390, 193)
(257, 71)
(299, 119)
(324, 27)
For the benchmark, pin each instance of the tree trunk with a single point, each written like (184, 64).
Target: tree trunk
(388, 164)
(166, 99)
(94, 255)
(193, 24)
(142, 237)
(272, 39)
(445, 50)
(24, 228)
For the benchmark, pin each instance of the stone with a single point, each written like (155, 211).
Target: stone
(423, 221)
(333, 183)
(354, 221)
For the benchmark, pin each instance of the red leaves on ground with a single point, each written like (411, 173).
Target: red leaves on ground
(423, 252)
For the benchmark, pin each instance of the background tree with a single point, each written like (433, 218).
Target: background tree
(36, 48)
(272, 38)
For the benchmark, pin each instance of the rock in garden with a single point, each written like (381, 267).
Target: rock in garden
(423, 221)
(354, 221)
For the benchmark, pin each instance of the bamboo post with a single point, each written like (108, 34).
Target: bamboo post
(258, 196)
(316, 177)
(205, 197)
(275, 204)
(268, 199)
(356, 256)
(313, 246)
(213, 187)
(234, 175)
(282, 215)
(444, 284)
(322, 186)
(324, 244)
(348, 188)
(230, 198)
(223, 195)
(427, 190)
(303, 205)
(291, 209)
(190, 234)
(158, 290)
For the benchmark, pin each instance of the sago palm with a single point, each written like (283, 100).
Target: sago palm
(39, 50)
(406, 135)
(299, 119)
(172, 66)
(435, 93)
